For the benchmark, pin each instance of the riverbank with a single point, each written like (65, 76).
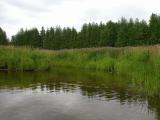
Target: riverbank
(126, 60)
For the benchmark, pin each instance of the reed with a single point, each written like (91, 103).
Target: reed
(126, 60)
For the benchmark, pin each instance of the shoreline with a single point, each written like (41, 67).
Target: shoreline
(113, 60)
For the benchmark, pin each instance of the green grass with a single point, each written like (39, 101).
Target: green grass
(127, 60)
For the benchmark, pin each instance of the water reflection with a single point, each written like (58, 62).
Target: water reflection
(110, 92)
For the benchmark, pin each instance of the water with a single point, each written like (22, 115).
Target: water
(70, 94)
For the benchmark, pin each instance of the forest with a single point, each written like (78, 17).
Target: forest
(132, 32)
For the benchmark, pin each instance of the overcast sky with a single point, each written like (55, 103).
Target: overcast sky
(15, 14)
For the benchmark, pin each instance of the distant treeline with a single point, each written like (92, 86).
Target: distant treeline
(115, 34)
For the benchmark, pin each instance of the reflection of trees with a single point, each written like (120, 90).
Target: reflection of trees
(93, 84)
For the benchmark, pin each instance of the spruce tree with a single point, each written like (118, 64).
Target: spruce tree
(3, 37)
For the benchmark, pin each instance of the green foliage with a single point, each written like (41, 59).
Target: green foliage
(154, 25)
(3, 37)
(109, 34)
(29, 38)
(122, 33)
(115, 60)
(19, 59)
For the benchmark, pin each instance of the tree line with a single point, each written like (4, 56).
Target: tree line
(114, 34)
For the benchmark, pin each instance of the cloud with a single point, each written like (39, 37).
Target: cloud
(27, 6)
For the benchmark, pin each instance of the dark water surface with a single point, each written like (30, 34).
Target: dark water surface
(69, 94)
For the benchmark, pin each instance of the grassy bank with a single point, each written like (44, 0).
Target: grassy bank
(138, 70)
(143, 60)
(141, 63)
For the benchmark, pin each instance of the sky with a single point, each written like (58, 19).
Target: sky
(16, 14)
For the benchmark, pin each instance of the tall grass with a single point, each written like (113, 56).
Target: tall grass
(19, 59)
(128, 60)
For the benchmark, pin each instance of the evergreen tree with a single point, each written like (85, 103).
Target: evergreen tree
(3, 37)
(110, 34)
(154, 25)
(46, 42)
(122, 34)
(42, 37)
(73, 38)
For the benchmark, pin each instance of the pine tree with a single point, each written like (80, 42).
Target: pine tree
(3, 37)
(42, 37)
(154, 25)
(110, 34)
(122, 34)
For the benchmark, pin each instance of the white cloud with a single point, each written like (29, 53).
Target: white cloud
(15, 14)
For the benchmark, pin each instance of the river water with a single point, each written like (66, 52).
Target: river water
(71, 94)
